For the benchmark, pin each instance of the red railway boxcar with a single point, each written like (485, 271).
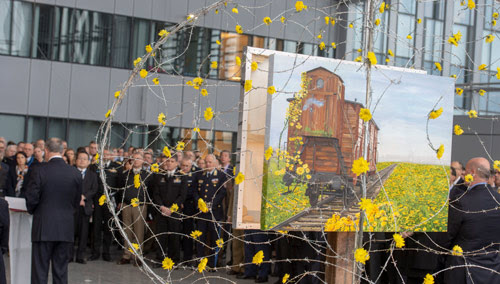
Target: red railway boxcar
(332, 135)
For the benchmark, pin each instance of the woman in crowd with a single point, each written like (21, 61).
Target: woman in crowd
(70, 156)
(38, 153)
(21, 171)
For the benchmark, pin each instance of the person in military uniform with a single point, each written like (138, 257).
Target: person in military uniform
(212, 191)
(101, 216)
(169, 193)
(190, 173)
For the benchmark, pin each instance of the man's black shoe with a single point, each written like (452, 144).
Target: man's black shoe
(81, 261)
(261, 280)
(94, 257)
(243, 276)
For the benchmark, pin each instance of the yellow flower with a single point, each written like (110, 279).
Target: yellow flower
(365, 114)
(493, 22)
(248, 85)
(163, 33)
(495, 15)
(102, 199)
(202, 264)
(400, 242)
(453, 76)
(440, 151)
(217, 42)
(239, 178)
(196, 234)
(300, 171)
(156, 81)
(143, 73)
(155, 168)
(327, 20)
(174, 207)
(333, 22)
(372, 58)
(360, 166)
(235, 10)
(457, 250)
(377, 22)
(498, 73)
(180, 146)
(189, 83)
(149, 48)
(489, 38)
(438, 66)
(167, 263)
(387, 60)
(219, 242)
(254, 65)
(381, 9)
(190, 17)
(134, 202)
(209, 114)
(258, 258)
(196, 129)
(334, 45)
(202, 206)
(268, 153)
(471, 4)
(137, 60)
(459, 91)
(351, 25)
(267, 21)
(472, 113)
(285, 278)
(481, 67)
(213, 65)
(117, 94)
(429, 279)
(238, 61)
(108, 113)
(135, 246)
(197, 82)
(166, 152)
(361, 255)
(419, 21)
(322, 45)
(482, 92)
(496, 165)
(458, 130)
(468, 178)
(204, 92)
(161, 118)
(358, 59)
(96, 157)
(320, 36)
(282, 19)
(409, 36)
(435, 113)
(299, 6)
(271, 90)
(239, 29)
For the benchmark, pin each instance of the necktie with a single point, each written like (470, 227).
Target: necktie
(83, 174)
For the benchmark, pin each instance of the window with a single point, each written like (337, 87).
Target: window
(231, 46)
(81, 132)
(404, 46)
(36, 128)
(100, 40)
(43, 26)
(21, 28)
(62, 34)
(120, 56)
(57, 128)
(12, 127)
(5, 17)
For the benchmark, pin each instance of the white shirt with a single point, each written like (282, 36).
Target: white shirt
(55, 156)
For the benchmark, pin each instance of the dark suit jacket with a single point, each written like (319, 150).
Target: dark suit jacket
(52, 195)
(169, 190)
(128, 189)
(211, 189)
(4, 225)
(474, 232)
(89, 189)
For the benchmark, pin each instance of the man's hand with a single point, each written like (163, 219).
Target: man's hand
(406, 234)
(82, 201)
(165, 211)
(229, 219)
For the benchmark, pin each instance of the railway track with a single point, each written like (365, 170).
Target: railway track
(314, 218)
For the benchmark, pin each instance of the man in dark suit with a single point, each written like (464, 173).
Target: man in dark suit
(473, 225)
(102, 216)
(189, 209)
(52, 196)
(169, 188)
(212, 191)
(84, 211)
(4, 236)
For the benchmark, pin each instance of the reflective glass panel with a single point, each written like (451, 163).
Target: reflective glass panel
(22, 18)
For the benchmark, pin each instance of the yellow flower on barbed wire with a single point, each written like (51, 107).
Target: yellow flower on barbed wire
(268, 153)
(248, 85)
(496, 165)
(238, 60)
(202, 264)
(258, 258)
(282, 20)
(320, 36)
(195, 234)
(198, 81)
(440, 151)
(102, 199)
(148, 48)
(196, 129)
(174, 208)
(156, 81)
(155, 168)
(271, 90)
(217, 42)
(481, 67)
(360, 166)
(435, 113)
(208, 114)
(239, 29)
(204, 92)
(135, 246)
(137, 180)
(381, 9)
(96, 158)
(299, 6)
(471, 4)
(137, 61)
(489, 38)
(459, 91)
(334, 45)
(267, 21)
(399, 240)
(481, 92)
(468, 178)
(498, 73)
(458, 130)
(372, 58)
(285, 278)
(409, 36)
(361, 255)
(322, 45)
(161, 118)
(365, 114)
(472, 113)
(117, 94)
(180, 146)
(143, 73)
(358, 59)
(438, 66)
(254, 65)
(332, 22)
(235, 10)
(167, 263)
(453, 76)
(457, 250)
(239, 178)
(495, 15)
(213, 65)
(108, 113)
(377, 22)
(202, 206)
(166, 152)
(419, 21)
(219, 242)
(163, 33)
(429, 279)
(134, 202)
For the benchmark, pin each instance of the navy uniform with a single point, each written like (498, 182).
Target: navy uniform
(211, 189)
(190, 209)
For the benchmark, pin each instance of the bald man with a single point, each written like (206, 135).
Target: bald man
(473, 224)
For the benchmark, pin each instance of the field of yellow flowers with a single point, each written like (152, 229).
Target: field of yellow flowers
(414, 199)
